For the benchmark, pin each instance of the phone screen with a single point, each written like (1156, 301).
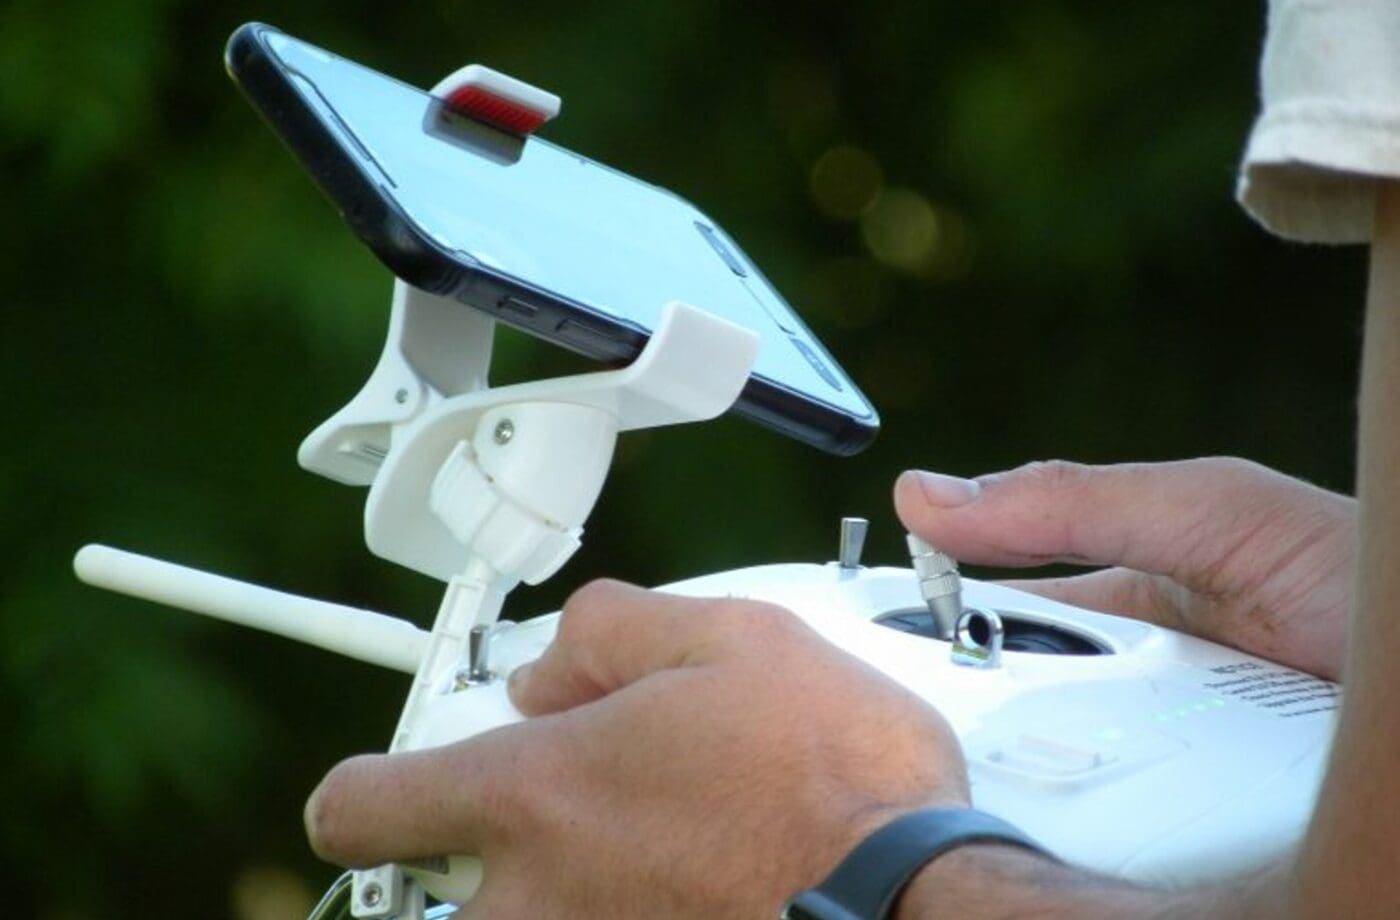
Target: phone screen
(550, 219)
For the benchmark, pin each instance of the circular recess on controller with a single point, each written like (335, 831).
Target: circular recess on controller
(1022, 634)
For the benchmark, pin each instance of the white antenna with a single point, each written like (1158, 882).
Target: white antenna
(361, 634)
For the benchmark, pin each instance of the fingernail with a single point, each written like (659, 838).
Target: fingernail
(947, 491)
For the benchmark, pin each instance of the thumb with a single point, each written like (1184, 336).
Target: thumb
(1187, 519)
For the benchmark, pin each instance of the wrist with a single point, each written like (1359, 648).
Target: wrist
(996, 880)
(964, 877)
(869, 882)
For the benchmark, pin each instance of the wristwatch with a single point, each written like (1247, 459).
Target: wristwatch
(868, 882)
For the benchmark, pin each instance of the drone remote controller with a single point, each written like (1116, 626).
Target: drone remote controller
(1118, 745)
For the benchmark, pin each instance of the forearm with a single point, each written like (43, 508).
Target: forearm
(1348, 864)
(977, 882)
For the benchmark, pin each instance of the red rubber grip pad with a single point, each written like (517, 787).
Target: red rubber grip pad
(501, 113)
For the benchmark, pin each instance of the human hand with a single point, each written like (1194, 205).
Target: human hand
(687, 758)
(1221, 548)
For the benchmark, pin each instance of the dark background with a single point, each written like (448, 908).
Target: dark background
(1011, 223)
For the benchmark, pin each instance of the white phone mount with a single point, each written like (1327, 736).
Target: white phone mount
(460, 470)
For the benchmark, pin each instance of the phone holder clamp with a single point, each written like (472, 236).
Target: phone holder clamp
(458, 469)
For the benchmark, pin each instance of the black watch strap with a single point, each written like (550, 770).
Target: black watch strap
(868, 882)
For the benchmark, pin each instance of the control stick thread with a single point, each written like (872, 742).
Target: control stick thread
(939, 584)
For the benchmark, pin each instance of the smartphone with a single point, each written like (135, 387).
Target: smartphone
(539, 237)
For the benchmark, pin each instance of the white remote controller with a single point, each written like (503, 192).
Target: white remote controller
(1129, 749)
(1120, 746)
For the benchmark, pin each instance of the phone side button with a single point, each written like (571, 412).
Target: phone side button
(514, 306)
(817, 363)
(586, 338)
(722, 250)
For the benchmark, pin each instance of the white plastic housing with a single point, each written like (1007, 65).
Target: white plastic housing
(692, 369)
(435, 348)
(1170, 761)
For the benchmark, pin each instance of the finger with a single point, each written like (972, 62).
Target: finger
(612, 635)
(480, 907)
(490, 901)
(1118, 591)
(1180, 519)
(382, 808)
(521, 883)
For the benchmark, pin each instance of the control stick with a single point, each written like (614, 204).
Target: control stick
(939, 585)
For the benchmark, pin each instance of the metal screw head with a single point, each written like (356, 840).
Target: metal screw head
(401, 396)
(505, 430)
(371, 895)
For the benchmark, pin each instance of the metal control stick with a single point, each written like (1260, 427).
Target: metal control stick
(478, 670)
(853, 530)
(939, 584)
(479, 653)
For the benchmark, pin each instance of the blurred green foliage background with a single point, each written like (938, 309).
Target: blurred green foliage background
(1011, 222)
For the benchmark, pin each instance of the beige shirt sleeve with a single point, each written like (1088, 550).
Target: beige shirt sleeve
(1330, 124)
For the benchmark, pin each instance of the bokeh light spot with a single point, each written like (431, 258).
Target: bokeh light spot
(952, 258)
(262, 892)
(845, 181)
(900, 228)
